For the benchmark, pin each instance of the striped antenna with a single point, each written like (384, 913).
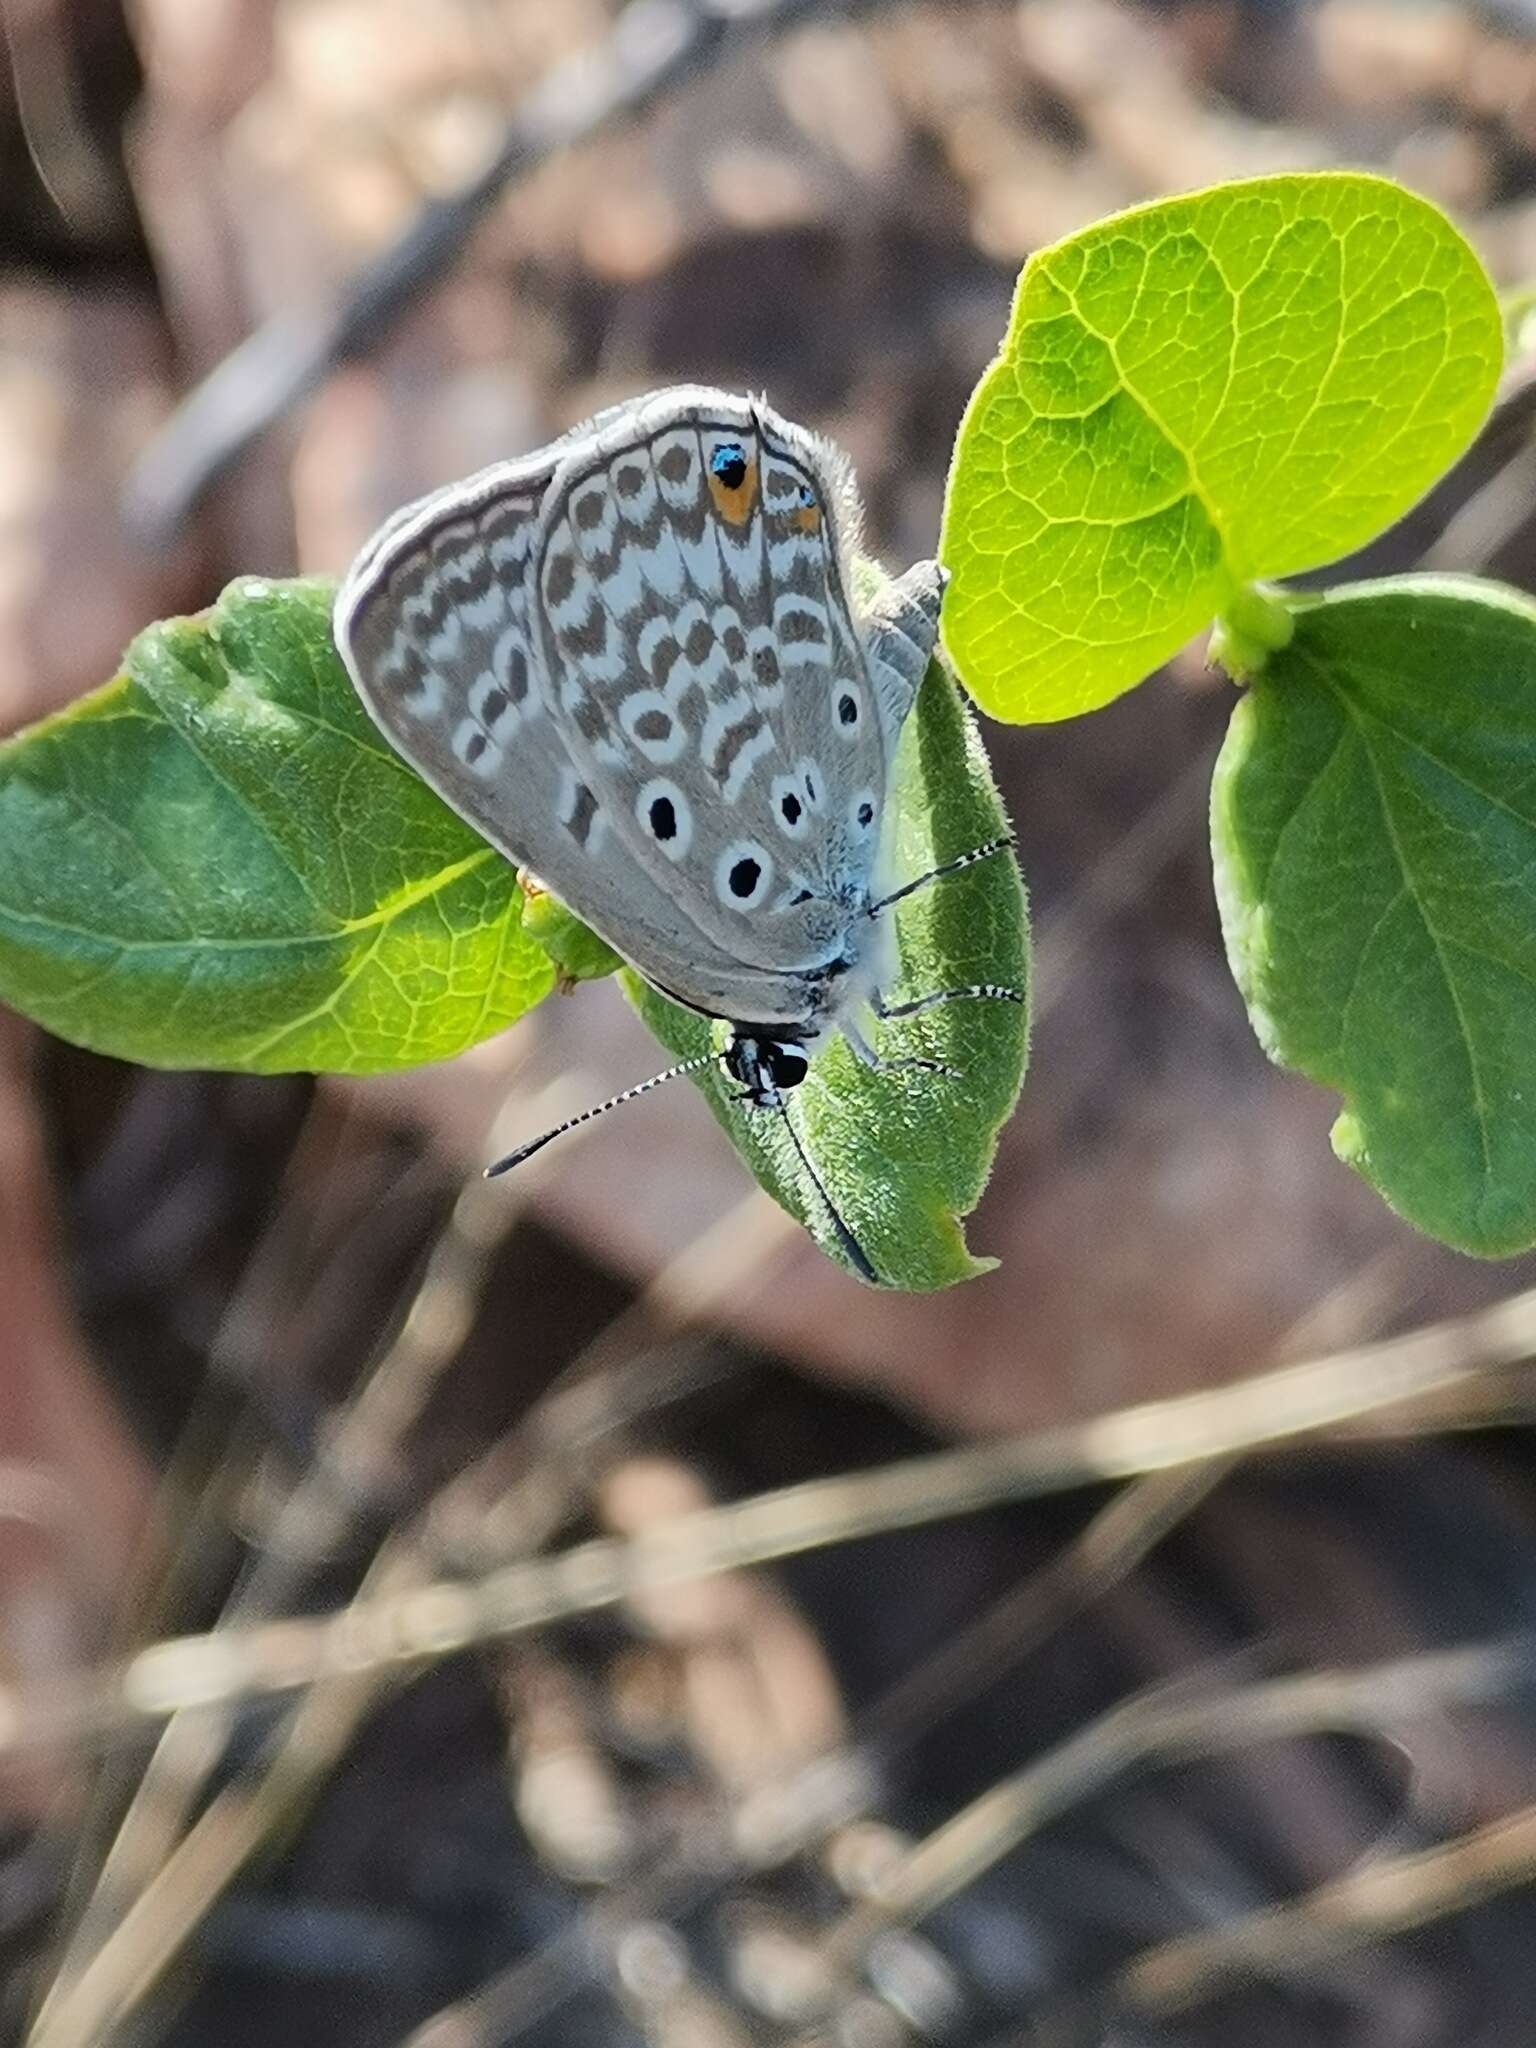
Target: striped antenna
(703, 1059)
(852, 1249)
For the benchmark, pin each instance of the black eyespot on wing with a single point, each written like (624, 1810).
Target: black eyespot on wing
(663, 818)
(848, 709)
(745, 875)
(729, 464)
(791, 807)
(866, 814)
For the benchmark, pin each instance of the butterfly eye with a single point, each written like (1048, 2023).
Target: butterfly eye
(729, 464)
(787, 1065)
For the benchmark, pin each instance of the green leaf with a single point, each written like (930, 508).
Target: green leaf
(905, 1156)
(1244, 383)
(217, 861)
(1374, 831)
(1517, 309)
(577, 951)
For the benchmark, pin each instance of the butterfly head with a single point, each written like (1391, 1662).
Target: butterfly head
(767, 1067)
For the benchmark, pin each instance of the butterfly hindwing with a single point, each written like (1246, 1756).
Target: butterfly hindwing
(433, 623)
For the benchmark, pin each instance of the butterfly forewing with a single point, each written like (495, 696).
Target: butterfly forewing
(692, 615)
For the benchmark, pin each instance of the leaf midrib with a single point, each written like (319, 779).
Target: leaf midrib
(403, 900)
(1474, 1071)
(1197, 488)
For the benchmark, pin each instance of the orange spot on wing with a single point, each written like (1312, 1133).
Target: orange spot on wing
(807, 518)
(736, 506)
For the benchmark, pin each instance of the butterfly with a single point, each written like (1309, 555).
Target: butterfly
(632, 661)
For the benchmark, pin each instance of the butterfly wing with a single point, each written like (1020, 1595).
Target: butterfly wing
(433, 624)
(691, 610)
(900, 628)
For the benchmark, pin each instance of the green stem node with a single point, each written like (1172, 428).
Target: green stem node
(1256, 623)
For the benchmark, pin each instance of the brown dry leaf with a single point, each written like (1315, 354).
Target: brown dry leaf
(74, 1486)
(83, 380)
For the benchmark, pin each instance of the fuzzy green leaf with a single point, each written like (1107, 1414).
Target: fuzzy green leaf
(577, 951)
(1374, 831)
(1243, 383)
(217, 861)
(905, 1156)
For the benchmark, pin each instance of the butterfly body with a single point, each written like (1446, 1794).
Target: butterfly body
(632, 661)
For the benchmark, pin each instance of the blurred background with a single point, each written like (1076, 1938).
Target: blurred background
(269, 268)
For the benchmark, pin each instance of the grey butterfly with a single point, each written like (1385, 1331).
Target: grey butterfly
(632, 662)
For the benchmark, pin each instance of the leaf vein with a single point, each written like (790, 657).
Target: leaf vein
(1474, 1070)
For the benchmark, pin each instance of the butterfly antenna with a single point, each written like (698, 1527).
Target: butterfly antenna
(853, 1251)
(703, 1059)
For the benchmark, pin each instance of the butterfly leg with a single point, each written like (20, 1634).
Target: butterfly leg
(866, 1055)
(978, 991)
